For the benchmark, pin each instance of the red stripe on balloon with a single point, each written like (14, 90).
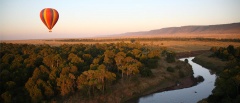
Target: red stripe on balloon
(42, 16)
(51, 18)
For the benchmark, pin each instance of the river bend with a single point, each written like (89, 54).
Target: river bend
(186, 95)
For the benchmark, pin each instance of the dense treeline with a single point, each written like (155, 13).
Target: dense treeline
(148, 39)
(227, 88)
(34, 73)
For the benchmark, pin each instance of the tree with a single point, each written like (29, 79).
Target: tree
(102, 75)
(34, 92)
(7, 97)
(154, 54)
(87, 58)
(58, 60)
(170, 57)
(108, 56)
(10, 85)
(132, 40)
(95, 79)
(231, 49)
(109, 59)
(137, 53)
(95, 64)
(119, 59)
(87, 79)
(45, 88)
(7, 58)
(132, 66)
(66, 81)
(49, 60)
(74, 59)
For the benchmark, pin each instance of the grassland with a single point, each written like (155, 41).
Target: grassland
(174, 44)
(146, 85)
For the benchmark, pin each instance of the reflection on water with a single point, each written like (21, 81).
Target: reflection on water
(187, 95)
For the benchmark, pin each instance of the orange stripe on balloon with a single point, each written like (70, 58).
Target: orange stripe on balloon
(48, 16)
(55, 17)
(45, 17)
(48, 20)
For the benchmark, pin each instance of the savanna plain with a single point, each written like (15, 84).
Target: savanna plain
(106, 69)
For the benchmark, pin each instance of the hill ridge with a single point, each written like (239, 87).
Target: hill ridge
(232, 28)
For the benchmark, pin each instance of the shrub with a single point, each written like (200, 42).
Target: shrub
(132, 40)
(200, 79)
(171, 57)
(145, 72)
(152, 63)
(170, 69)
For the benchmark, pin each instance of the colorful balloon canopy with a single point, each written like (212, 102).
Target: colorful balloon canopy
(49, 17)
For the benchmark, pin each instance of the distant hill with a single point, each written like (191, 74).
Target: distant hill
(233, 28)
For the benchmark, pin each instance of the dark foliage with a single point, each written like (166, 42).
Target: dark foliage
(170, 57)
(170, 69)
(145, 72)
(34, 73)
(227, 88)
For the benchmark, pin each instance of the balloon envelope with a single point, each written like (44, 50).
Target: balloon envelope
(49, 17)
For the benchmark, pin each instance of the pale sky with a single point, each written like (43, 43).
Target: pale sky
(88, 18)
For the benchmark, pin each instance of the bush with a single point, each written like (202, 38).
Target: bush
(186, 60)
(200, 79)
(132, 40)
(170, 69)
(145, 72)
(152, 63)
(171, 57)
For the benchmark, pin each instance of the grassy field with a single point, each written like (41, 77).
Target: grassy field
(177, 45)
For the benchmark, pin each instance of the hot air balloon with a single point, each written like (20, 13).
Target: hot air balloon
(49, 17)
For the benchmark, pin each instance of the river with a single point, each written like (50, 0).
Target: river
(186, 95)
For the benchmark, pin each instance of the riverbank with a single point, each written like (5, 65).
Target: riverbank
(169, 85)
(210, 63)
(214, 64)
(129, 89)
(198, 92)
